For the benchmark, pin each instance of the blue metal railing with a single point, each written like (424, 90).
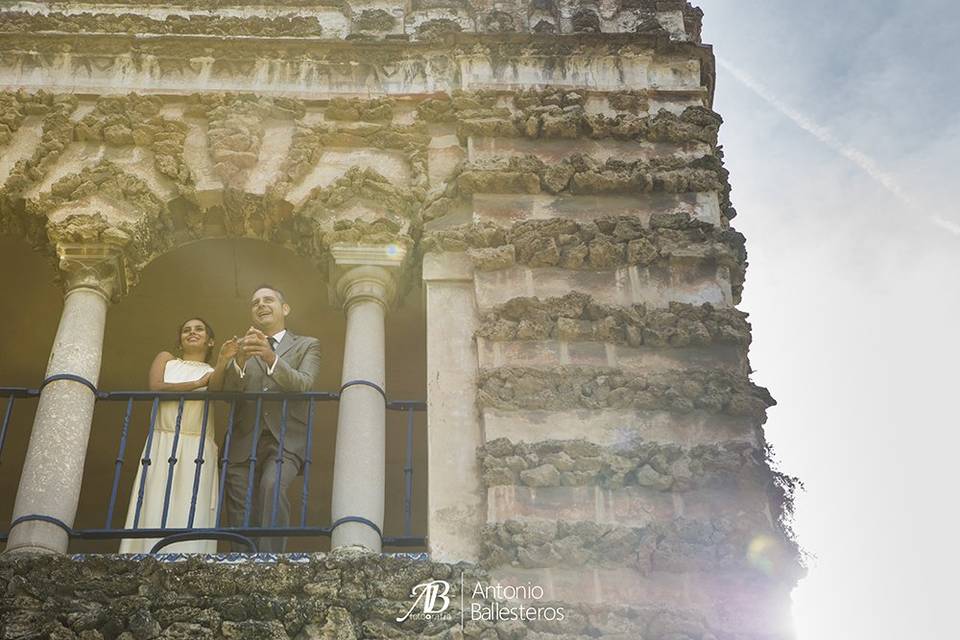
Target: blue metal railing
(243, 534)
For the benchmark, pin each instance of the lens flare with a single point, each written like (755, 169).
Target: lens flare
(763, 553)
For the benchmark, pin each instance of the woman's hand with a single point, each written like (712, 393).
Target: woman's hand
(202, 382)
(228, 349)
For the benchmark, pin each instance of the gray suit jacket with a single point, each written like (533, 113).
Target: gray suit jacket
(297, 369)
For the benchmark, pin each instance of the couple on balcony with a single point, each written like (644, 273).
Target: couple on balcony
(267, 358)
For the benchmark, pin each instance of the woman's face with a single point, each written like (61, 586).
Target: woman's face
(193, 336)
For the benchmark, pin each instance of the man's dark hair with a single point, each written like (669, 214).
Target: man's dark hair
(280, 296)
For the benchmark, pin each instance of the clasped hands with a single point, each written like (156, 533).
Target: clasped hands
(254, 343)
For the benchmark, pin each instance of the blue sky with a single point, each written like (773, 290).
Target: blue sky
(841, 131)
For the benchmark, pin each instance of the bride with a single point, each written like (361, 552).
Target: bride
(188, 372)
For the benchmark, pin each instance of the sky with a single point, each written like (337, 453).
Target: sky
(841, 127)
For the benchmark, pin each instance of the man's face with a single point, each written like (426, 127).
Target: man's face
(267, 312)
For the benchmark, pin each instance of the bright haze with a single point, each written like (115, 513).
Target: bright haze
(842, 131)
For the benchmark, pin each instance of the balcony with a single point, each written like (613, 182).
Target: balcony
(185, 281)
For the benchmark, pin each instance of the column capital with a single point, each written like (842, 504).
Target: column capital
(366, 272)
(93, 265)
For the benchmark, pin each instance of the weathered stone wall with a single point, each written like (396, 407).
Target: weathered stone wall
(552, 170)
(341, 596)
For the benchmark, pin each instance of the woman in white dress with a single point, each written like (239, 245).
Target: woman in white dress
(188, 372)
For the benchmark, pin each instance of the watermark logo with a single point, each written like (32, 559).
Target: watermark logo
(488, 602)
(426, 595)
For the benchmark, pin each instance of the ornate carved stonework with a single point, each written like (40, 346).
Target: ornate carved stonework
(366, 272)
(93, 266)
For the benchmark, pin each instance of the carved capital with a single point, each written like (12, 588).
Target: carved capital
(366, 272)
(96, 266)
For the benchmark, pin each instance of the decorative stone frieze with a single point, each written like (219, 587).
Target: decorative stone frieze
(562, 388)
(106, 180)
(577, 317)
(234, 132)
(57, 133)
(136, 120)
(661, 467)
(97, 266)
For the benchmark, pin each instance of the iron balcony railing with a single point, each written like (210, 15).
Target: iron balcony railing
(246, 534)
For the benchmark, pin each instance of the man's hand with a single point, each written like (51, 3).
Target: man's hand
(255, 344)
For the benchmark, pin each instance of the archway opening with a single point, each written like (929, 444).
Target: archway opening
(213, 279)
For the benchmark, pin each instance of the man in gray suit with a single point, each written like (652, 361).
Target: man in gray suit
(268, 358)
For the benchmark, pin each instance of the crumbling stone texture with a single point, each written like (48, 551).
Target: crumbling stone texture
(602, 244)
(57, 133)
(137, 120)
(345, 595)
(660, 467)
(309, 142)
(235, 129)
(682, 545)
(198, 24)
(563, 388)
(105, 180)
(560, 113)
(576, 316)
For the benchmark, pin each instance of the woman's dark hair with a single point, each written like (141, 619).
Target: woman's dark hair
(210, 335)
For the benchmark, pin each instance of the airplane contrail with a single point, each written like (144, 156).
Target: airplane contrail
(824, 135)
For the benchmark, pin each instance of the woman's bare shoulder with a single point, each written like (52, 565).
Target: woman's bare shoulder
(164, 357)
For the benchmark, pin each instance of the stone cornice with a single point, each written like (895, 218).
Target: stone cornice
(155, 55)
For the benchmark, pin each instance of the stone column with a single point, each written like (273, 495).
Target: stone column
(53, 469)
(365, 286)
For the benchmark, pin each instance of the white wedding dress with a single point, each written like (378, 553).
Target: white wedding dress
(184, 470)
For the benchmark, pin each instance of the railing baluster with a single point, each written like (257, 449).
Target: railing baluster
(199, 462)
(279, 465)
(248, 501)
(118, 464)
(6, 422)
(408, 476)
(145, 461)
(306, 465)
(172, 462)
(225, 460)
(215, 531)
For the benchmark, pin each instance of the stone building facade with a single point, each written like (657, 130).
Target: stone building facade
(542, 178)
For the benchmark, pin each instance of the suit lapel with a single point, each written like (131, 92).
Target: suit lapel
(286, 343)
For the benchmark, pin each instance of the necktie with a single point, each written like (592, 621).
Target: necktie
(273, 342)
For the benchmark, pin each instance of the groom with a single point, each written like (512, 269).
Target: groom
(268, 358)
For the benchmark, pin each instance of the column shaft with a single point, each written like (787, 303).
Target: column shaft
(360, 466)
(53, 469)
